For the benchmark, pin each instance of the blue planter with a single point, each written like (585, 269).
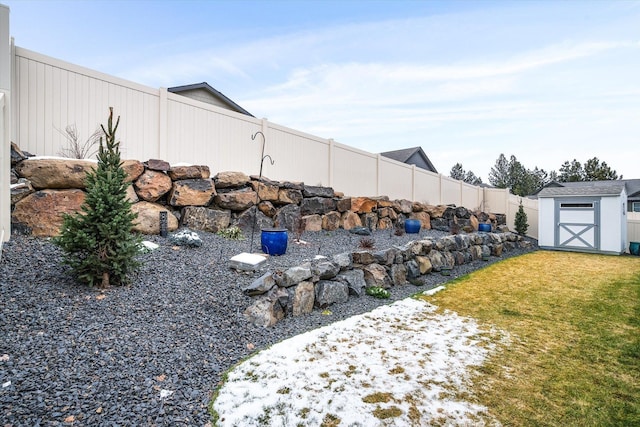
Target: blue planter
(412, 226)
(484, 227)
(274, 241)
(634, 248)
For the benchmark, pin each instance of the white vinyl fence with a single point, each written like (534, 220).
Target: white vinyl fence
(5, 126)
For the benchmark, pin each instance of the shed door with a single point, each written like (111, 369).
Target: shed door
(578, 222)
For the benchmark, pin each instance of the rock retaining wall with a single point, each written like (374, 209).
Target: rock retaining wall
(42, 189)
(319, 283)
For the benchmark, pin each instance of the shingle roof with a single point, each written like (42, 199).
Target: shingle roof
(582, 188)
(214, 92)
(406, 153)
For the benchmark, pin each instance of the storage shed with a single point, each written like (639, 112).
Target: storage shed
(583, 216)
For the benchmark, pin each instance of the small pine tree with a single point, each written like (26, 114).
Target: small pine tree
(98, 243)
(521, 220)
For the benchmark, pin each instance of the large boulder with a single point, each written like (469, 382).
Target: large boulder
(317, 205)
(238, 200)
(21, 189)
(354, 279)
(148, 221)
(316, 191)
(303, 298)
(231, 179)
(343, 205)
(152, 185)
(331, 221)
(191, 192)
(42, 212)
(267, 191)
(424, 218)
(363, 204)
(403, 206)
(289, 196)
(287, 216)
(251, 217)
(376, 275)
(205, 219)
(133, 169)
(350, 220)
(329, 292)
(55, 173)
(178, 173)
(268, 309)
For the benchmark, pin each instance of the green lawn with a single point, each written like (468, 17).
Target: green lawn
(572, 357)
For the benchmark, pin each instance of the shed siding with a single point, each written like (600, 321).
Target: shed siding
(546, 222)
(611, 219)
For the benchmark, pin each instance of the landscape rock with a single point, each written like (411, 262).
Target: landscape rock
(287, 216)
(238, 200)
(265, 311)
(177, 173)
(331, 221)
(157, 165)
(294, 275)
(266, 190)
(398, 274)
(20, 189)
(354, 279)
(206, 219)
(267, 208)
(350, 220)
(303, 298)
(230, 180)
(247, 219)
(191, 192)
(47, 173)
(148, 221)
(152, 185)
(260, 286)
(343, 205)
(42, 212)
(133, 169)
(289, 196)
(317, 191)
(131, 194)
(403, 206)
(312, 222)
(329, 292)
(317, 205)
(363, 204)
(376, 275)
(325, 270)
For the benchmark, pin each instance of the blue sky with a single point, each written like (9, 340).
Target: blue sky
(465, 80)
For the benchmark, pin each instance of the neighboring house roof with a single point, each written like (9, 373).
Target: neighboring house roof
(205, 93)
(411, 156)
(583, 188)
(633, 189)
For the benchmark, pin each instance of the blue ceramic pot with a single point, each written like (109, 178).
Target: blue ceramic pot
(412, 226)
(484, 227)
(634, 248)
(274, 241)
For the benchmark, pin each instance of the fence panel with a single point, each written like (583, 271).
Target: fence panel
(427, 187)
(396, 179)
(633, 227)
(49, 94)
(354, 171)
(52, 94)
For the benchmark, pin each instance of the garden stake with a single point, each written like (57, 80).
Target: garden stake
(262, 157)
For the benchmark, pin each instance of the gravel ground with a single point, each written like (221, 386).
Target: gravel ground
(149, 354)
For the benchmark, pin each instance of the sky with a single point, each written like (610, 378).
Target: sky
(545, 81)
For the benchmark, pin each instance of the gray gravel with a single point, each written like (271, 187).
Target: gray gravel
(105, 358)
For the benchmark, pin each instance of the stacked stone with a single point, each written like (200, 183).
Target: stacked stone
(45, 188)
(322, 282)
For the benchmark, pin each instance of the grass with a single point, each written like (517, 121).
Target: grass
(572, 354)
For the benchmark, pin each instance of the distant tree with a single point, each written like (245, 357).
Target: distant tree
(458, 172)
(596, 171)
(514, 175)
(499, 176)
(593, 170)
(571, 172)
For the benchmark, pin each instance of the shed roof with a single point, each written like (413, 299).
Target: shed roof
(406, 153)
(582, 188)
(217, 94)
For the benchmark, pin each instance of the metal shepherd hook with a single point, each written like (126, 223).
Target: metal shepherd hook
(262, 157)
